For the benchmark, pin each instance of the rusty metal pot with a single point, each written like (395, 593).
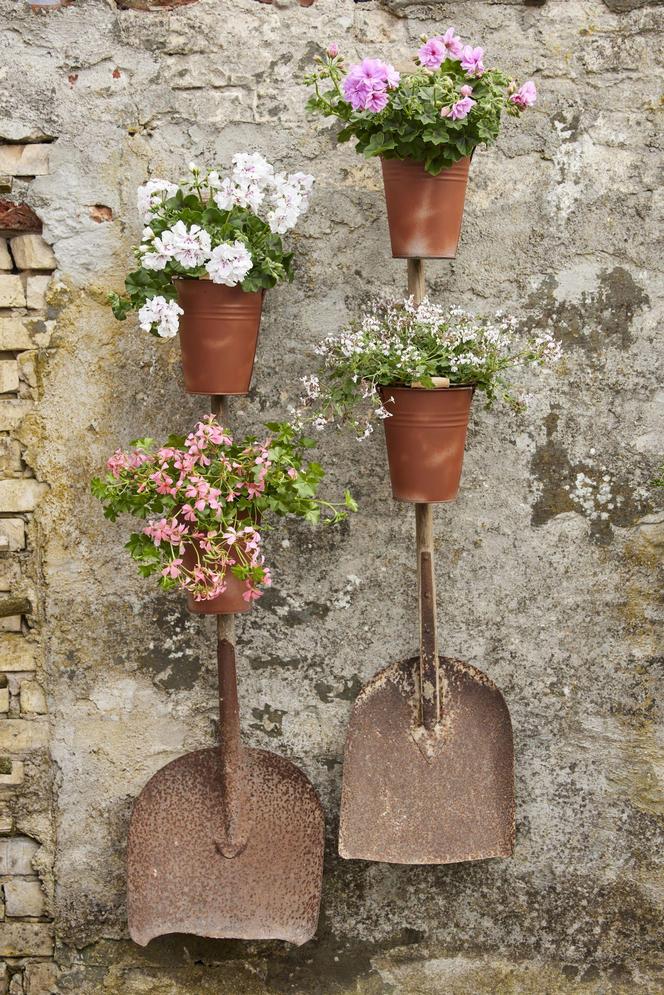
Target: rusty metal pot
(424, 212)
(425, 436)
(218, 336)
(230, 602)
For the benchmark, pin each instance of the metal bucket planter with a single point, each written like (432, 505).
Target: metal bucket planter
(424, 212)
(218, 336)
(425, 436)
(230, 602)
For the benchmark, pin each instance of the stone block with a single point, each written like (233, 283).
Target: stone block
(13, 530)
(23, 897)
(22, 736)
(20, 494)
(16, 985)
(32, 252)
(8, 376)
(6, 823)
(10, 457)
(4, 979)
(5, 258)
(11, 623)
(14, 775)
(17, 655)
(24, 160)
(12, 291)
(16, 855)
(33, 698)
(26, 939)
(14, 335)
(40, 978)
(18, 217)
(4, 699)
(35, 290)
(12, 413)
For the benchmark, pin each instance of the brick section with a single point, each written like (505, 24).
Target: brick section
(12, 293)
(12, 530)
(20, 495)
(24, 897)
(32, 252)
(16, 855)
(22, 736)
(8, 376)
(14, 335)
(16, 655)
(33, 699)
(18, 217)
(26, 939)
(24, 160)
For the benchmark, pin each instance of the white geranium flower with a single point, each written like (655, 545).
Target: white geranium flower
(151, 194)
(252, 167)
(229, 263)
(160, 252)
(162, 313)
(191, 246)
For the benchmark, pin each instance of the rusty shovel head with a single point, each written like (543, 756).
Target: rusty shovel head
(178, 881)
(415, 797)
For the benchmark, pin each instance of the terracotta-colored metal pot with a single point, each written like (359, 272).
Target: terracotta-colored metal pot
(424, 212)
(425, 436)
(229, 603)
(218, 336)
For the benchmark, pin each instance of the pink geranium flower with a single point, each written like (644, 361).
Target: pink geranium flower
(461, 108)
(434, 52)
(471, 60)
(526, 96)
(366, 85)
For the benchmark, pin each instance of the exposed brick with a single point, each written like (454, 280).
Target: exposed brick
(20, 495)
(13, 529)
(14, 335)
(40, 978)
(18, 217)
(15, 775)
(12, 412)
(10, 458)
(26, 939)
(23, 897)
(35, 290)
(24, 160)
(31, 251)
(17, 655)
(33, 698)
(12, 292)
(101, 213)
(16, 855)
(5, 258)
(11, 623)
(8, 376)
(22, 735)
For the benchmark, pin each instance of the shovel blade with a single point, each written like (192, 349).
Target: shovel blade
(179, 882)
(412, 797)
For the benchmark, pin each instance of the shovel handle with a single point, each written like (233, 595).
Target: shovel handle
(429, 665)
(232, 840)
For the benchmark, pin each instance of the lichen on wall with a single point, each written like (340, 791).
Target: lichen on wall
(547, 571)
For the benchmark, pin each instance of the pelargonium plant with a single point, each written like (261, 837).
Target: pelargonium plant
(437, 114)
(209, 499)
(400, 343)
(227, 230)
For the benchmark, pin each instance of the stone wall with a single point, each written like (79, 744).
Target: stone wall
(547, 563)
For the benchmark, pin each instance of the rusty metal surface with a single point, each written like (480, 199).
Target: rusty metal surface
(424, 212)
(179, 882)
(410, 796)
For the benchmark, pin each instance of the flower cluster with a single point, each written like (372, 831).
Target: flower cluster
(227, 230)
(438, 114)
(400, 343)
(208, 500)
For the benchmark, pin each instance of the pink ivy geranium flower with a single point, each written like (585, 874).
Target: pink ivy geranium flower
(434, 51)
(366, 85)
(471, 60)
(526, 96)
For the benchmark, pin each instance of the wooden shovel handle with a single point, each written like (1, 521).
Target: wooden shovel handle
(429, 665)
(232, 840)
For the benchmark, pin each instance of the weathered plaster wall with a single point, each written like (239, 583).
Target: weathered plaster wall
(556, 603)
